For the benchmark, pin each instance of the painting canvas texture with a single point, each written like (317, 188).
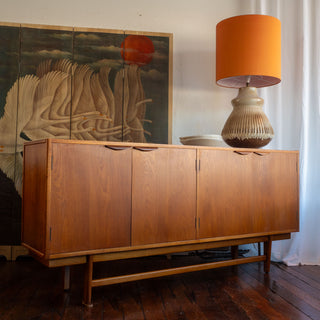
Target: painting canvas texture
(76, 83)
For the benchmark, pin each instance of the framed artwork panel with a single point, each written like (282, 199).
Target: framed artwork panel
(77, 83)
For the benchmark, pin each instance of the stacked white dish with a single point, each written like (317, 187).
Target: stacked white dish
(209, 140)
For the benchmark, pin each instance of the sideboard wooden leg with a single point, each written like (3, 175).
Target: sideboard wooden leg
(267, 253)
(234, 252)
(87, 294)
(235, 255)
(66, 279)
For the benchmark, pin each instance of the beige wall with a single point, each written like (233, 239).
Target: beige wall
(199, 105)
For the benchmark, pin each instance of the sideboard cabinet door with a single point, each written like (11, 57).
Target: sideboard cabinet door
(163, 195)
(34, 199)
(90, 198)
(247, 192)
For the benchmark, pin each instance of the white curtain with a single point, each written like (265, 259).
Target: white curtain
(293, 108)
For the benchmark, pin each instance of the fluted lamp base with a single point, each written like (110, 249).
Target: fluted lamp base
(247, 125)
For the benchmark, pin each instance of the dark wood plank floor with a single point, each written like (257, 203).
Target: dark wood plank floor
(29, 290)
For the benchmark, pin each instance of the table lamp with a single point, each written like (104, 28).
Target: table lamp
(248, 57)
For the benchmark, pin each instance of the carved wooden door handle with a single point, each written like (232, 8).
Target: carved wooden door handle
(116, 148)
(261, 154)
(242, 153)
(145, 149)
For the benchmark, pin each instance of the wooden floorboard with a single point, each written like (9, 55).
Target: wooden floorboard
(275, 301)
(30, 291)
(289, 292)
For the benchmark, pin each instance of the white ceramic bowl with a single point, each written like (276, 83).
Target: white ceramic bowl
(209, 140)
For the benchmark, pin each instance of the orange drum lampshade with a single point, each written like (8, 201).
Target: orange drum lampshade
(248, 45)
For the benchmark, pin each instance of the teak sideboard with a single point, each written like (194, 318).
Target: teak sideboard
(87, 201)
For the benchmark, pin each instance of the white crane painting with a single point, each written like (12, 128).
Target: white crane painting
(48, 108)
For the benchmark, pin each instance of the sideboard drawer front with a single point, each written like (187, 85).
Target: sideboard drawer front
(247, 192)
(163, 195)
(90, 199)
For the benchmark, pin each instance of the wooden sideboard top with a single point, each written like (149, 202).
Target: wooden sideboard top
(153, 145)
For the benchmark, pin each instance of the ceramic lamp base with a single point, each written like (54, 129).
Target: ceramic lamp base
(247, 143)
(247, 125)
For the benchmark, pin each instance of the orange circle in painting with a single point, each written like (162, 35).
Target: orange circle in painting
(137, 49)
